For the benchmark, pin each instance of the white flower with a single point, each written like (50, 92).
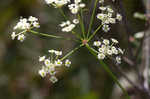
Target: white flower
(112, 20)
(47, 62)
(139, 35)
(51, 51)
(106, 41)
(13, 35)
(114, 40)
(75, 21)
(76, 6)
(57, 3)
(41, 58)
(106, 28)
(53, 79)
(101, 16)
(32, 19)
(52, 73)
(106, 17)
(77, 1)
(82, 5)
(109, 52)
(58, 62)
(113, 47)
(62, 24)
(139, 15)
(114, 50)
(101, 56)
(118, 59)
(67, 63)
(58, 53)
(21, 37)
(51, 68)
(51, 65)
(49, 1)
(109, 49)
(119, 17)
(68, 28)
(71, 26)
(109, 15)
(102, 50)
(103, 46)
(42, 73)
(36, 24)
(110, 10)
(68, 22)
(102, 8)
(23, 26)
(74, 11)
(101, 1)
(97, 43)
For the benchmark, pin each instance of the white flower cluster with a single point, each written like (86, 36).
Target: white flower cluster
(23, 26)
(73, 7)
(51, 63)
(76, 6)
(68, 26)
(106, 16)
(57, 3)
(108, 48)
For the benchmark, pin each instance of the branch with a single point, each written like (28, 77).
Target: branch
(146, 51)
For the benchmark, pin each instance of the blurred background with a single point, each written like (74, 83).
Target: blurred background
(85, 79)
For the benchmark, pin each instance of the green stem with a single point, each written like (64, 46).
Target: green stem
(92, 18)
(94, 33)
(43, 34)
(52, 36)
(71, 52)
(108, 71)
(81, 24)
(63, 14)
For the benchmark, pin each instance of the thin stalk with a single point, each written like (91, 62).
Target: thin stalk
(63, 14)
(108, 71)
(71, 52)
(43, 34)
(21, 32)
(51, 36)
(94, 33)
(81, 24)
(92, 18)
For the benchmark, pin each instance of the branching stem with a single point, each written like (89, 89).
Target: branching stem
(92, 18)
(51, 36)
(71, 52)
